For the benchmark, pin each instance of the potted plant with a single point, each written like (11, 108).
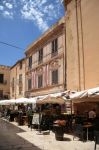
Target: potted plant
(59, 126)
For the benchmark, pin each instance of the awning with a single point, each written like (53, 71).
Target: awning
(51, 100)
(90, 95)
(24, 100)
(7, 102)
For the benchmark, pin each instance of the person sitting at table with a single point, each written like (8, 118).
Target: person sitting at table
(92, 115)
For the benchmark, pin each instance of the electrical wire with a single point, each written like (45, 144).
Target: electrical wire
(10, 45)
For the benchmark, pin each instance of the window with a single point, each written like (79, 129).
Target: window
(1, 78)
(6, 97)
(20, 65)
(40, 81)
(13, 85)
(20, 90)
(30, 62)
(1, 94)
(40, 56)
(29, 84)
(20, 78)
(55, 77)
(20, 84)
(54, 47)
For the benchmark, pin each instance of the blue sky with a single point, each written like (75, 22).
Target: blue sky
(22, 22)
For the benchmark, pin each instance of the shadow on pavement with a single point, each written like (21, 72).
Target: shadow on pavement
(9, 140)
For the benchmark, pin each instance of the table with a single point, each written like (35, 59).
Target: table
(87, 126)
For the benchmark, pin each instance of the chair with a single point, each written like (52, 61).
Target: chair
(78, 131)
(96, 138)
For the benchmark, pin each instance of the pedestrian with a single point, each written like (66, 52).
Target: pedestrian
(30, 116)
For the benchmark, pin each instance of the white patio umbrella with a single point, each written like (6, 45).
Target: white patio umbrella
(32, 100)
(7, 102)
(24, 100)
(21, 100)
(52, 100)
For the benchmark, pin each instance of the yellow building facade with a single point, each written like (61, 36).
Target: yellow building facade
(82, 45)
(45, 62)
(4, 82)
(17, 80)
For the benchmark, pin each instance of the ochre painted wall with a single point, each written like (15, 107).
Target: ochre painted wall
(82, 44)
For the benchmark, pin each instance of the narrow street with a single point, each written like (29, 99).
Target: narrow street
(9, 140)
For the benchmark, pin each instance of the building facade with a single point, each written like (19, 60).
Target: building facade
(17, 80)
(4, 82)
(45, 62)
(82, 45)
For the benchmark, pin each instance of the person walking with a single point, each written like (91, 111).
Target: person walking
(30, 116)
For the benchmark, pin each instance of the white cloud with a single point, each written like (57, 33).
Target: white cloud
(1, 7)
(9, 6)
(35, 15)
(8, 14)
(41, 12)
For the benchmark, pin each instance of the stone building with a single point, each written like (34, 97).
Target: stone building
(82, 43)
(45, 62)
(17, 79)
(4, 82)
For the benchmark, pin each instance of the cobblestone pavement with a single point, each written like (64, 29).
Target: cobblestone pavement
(14, 137)
(9, 140)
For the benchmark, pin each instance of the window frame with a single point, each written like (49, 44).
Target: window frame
(29, 84)
(40, 81)
(1, 76)
(40, 56)
(55, 78)
(54, 47)
(30, 62)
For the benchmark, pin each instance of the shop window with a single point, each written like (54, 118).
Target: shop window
(55, 77)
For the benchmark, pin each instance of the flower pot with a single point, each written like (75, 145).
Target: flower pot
(59, 132)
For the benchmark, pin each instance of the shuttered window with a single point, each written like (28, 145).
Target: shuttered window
(29, 84)
(1, 78)
(54, 47)
(40, 81)
(30, 62)
(40, 56)
(55, 77)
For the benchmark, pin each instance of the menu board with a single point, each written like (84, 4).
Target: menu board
(35, 119)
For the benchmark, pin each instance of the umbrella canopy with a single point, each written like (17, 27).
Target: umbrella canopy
(7, 102)
(51, 100)
(21, 100)
(3, 102)
(24, 100)
(32, 100)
